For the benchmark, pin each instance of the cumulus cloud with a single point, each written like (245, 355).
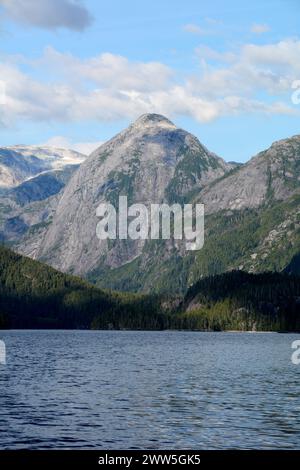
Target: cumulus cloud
(283, 55)
(254, 79)
(260, 28)
(49, 14)
(267, 68)
(110, 70)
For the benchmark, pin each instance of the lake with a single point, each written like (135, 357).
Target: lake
(149, 390)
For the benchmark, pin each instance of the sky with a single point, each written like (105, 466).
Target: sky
(74, 73)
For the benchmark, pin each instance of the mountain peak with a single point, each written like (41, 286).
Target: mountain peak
(152, 119)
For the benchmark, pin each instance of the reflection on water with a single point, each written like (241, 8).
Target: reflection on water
(148, 390)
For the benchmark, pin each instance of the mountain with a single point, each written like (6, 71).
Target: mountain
(30, 178)
(252, 223)
(272, 175)
(150, 162)
(253, 214)
(27, 209)
(251, 211)
(19, 163)
(39, 187)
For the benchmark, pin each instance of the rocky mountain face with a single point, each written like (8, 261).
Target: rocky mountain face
(20, 162)
(150, 162)
(40, 187)
(252, 211)
(272, 175)
(30, 180)
(252, 223)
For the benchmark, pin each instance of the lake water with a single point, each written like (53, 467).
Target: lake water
(148, 390)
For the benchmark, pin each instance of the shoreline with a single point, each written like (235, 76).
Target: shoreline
(148, 330)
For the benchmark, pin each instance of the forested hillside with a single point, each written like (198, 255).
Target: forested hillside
(33, 295)
(242, 301)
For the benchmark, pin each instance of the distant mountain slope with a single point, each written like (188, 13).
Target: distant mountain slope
(27, 209)
(40, 187)
(20, 162)
(273, 175)
(31, 174)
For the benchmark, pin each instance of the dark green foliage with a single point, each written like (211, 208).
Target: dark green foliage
(33, 295)
(231, 238)
(242, 301)
(188, 173)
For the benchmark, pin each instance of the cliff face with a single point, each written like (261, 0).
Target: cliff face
(31, 178)
(272, 175)
(150, 162)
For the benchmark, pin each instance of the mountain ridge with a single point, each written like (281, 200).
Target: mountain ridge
(149, 164)
(274, 172)
(252, 210)
(21, 162)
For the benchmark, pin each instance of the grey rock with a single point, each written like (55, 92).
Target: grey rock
(21, 162)
(272, 174)
(150, 162)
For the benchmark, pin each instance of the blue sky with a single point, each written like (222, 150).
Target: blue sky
(77, 72)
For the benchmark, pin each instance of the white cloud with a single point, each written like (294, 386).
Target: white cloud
(207, 53)
(2, 92)
(62, 142)
(194, 29)
(109, 70)
(260, 28)
(49, 14)
(282, 55)
(110, 87)
(268, 68)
